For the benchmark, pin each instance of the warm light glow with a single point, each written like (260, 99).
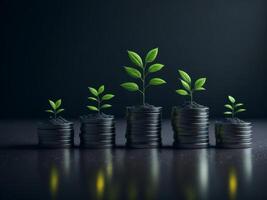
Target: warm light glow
(100, 184)
(54, 180)
(232, 184)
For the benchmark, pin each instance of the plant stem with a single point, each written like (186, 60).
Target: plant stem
(98, 104)
(191, 97)
(233, 111)
(144, 84)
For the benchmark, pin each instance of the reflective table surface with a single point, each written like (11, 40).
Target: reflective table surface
(27, 172)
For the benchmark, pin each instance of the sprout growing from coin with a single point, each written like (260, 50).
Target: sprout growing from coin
(233, 107)
(141, 71)
(98, 97)
(188, 87)
(55, 107)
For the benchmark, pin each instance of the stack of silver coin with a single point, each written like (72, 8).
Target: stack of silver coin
(143, 127)
(97, 132)
(56, 133)
(233, 135)
(191, 127)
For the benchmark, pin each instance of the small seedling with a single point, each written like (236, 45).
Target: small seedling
(99, 97)
(233, 107)
(55, 107)
(189, 89)
(142, 72)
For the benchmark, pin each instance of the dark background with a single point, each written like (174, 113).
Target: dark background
(56, 49)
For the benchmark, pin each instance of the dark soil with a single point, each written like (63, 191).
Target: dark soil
(57, 121)
(232, 121)
(193, 105)
(96, 116)
(189, 105)
(143, 107)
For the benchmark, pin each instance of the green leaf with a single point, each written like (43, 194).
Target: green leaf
(228, 106)
(185, 76)
(151, 55)
(186, 85)
(107, 96)
(155, 67)
(130, 86)
(135, 58)
(199, 89)
(133, 72)
(156, 81)
(240, 110)
(92, 98)
(101, 89)
(106, 106)
(200, 82)
(182, 92)
(52, 104)
(227, 113)
(49, 111)
(58, 103)
(60, 110)
(231, 99)
(239, 104)
(92, 108)
(93, 91)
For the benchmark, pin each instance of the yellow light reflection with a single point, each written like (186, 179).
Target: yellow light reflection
(232, 184)
(53, 182)
(100, 184)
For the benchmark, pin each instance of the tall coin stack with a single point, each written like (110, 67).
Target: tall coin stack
(191, 127)
(143, 127)
(97, 132)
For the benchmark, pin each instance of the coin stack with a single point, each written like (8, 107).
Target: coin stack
(97, 132)
(233, 135)
(143, 127)
(191, 127)
(56, 133)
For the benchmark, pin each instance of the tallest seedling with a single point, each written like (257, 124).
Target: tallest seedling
(141, 70)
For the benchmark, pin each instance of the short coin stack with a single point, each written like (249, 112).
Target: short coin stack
(233, 135)
(56, 133)
(97, 132)
(190, 126)
(143, 127)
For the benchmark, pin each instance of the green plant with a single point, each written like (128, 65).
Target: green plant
(55, 107)
(187, 84)
(142, 72)
(99, 97)
(233, 107)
